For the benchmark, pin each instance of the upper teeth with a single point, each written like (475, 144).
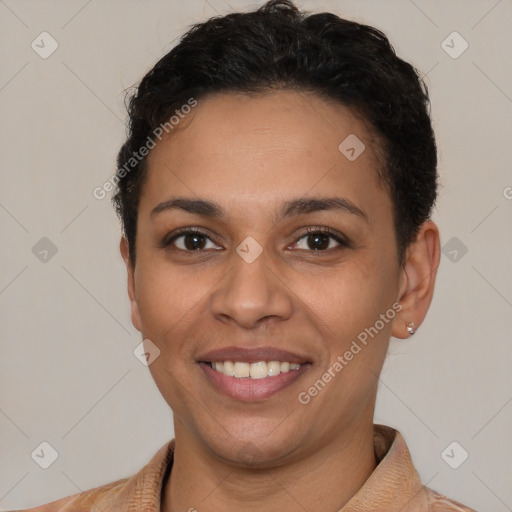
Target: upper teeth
(258, 370)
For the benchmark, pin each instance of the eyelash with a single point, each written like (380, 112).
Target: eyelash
(343, 243)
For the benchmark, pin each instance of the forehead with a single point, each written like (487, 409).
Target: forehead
(251, 150)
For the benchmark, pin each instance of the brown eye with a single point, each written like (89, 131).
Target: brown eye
(189, 240)
(318, 242)
(321, 239)
(193, 241)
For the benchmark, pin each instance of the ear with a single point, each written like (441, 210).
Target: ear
(125, 253)
(418, 279)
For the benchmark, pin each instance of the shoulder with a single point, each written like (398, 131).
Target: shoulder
(84, 501)
(142, 489)
(439, 503)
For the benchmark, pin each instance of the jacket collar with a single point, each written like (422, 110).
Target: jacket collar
(393, 486)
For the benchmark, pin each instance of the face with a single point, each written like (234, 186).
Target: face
(272, 273)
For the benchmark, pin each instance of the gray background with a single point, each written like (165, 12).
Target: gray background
(68, 375)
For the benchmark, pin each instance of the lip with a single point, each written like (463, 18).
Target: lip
(246, 389)
(252, 390)
(251, 355)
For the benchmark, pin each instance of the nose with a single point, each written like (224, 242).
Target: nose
(252, 294)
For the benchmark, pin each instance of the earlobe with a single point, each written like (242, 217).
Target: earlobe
(418, 280)
(135, 314)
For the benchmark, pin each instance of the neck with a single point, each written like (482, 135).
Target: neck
(325, 479)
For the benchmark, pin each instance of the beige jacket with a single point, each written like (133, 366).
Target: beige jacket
(394, 486)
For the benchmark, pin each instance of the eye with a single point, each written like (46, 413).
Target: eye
(190, 240)
(318, 239)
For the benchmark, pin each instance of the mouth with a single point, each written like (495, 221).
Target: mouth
(252, 374)
(258, 370)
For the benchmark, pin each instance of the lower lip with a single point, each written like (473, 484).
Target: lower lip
(252, 390)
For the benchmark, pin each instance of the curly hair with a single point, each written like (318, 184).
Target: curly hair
(279, 47)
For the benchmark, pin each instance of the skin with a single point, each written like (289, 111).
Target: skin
(249, 155)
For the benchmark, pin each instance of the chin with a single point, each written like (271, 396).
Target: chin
(250, 447)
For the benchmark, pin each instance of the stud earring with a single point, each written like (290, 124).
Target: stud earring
(410, 328)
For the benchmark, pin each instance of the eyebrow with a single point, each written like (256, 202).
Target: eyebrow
(299, 206)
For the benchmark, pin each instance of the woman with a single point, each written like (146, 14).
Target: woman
(275, 192)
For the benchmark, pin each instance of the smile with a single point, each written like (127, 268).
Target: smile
(258, 370)
(252, 374)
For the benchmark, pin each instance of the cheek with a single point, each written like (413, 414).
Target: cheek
(164, 296)
(349, 298)
(168, 299)
(171, 301)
